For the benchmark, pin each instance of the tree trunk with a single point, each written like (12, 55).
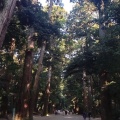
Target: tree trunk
(25, 86)
(90, 94)
(4, 106)
(5, 17)
(36, 82)
(84, 91)
(47, 92)
(106, 111)
(50, 8)
(24, 97)
(36, 99)
(106, 105)
(46, 100)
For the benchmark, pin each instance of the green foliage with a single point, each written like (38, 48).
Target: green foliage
(114, 11)
(79, 21)
(97, 3)
(15, 30)
(26, 17)
(25, 3)
(58, 15)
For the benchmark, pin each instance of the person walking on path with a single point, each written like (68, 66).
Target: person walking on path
(84, 115)
(89, 115)
(65, 112)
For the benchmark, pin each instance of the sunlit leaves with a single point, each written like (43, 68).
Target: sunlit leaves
(80, 20)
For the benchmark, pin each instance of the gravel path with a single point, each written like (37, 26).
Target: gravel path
(63, 117)
(59, 117)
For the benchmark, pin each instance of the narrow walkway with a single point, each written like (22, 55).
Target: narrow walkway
(62, 117)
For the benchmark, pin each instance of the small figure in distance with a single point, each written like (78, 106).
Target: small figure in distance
(84, 115)
(89, 115)
(56, 112)
(65, 112)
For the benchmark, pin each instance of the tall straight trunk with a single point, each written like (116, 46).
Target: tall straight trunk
(25, 86)
(36, 82)
(5, 17)
(47, 92)
(23, 109)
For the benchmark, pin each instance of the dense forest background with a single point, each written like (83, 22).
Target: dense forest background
(51, 59)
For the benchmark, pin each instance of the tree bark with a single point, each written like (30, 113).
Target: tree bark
(5, 17)
(47, 92)
(106, 111)
(85, 107)
(90, 94)
(106, 105)
(23, 110)
(50, 8)
(36, 82)
(25, 86)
